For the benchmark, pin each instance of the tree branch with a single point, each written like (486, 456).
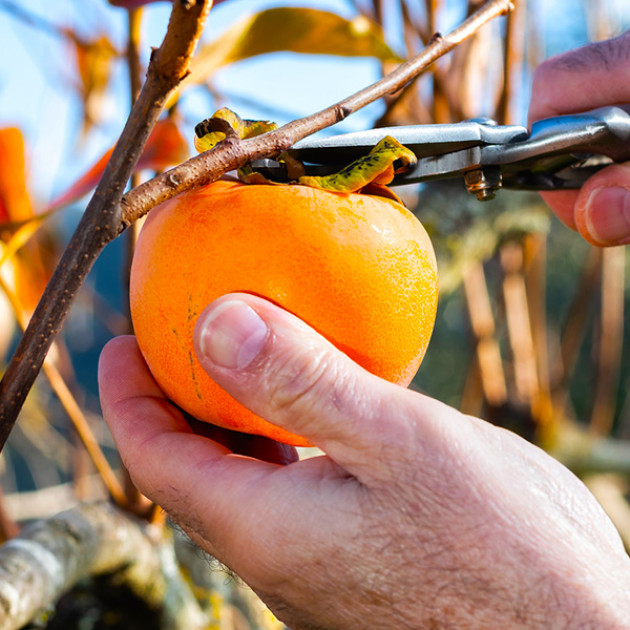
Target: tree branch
(108, 213)
(232, 154)
(99, 224)
(189, 589)
(50, 556)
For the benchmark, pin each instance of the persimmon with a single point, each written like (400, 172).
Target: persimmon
(358, 268)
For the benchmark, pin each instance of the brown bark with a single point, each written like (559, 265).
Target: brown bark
(50, 556)
(109, 213)
(99, 224)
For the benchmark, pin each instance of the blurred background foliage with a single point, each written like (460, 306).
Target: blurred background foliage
(532, 320)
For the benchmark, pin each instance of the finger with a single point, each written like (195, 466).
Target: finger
(577, 81)
(600, 211)
(256, 446)
(602, 208)
(282, 370)
(580, 79)
(248, 514)
(198, 481)
(562, 202)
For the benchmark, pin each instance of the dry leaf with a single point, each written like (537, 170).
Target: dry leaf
(131, 4)
(94, 63)
(299, 30)
(165, 147)
(15, 203)
(134, 4)
(26, 256)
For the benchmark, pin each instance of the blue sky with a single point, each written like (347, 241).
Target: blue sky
(36, 70)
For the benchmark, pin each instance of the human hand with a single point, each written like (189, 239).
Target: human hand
(416, 516)
(579, 80)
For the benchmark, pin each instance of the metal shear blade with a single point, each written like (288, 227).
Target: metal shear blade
(559, 153)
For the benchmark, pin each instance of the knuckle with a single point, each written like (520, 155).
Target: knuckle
(297, 384)
(539, 80)
(543, 70)
(546, 74)
(140, 467)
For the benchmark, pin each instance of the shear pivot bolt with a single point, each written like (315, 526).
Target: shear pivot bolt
(483, 182)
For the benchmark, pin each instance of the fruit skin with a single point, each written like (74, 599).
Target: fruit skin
(359, 269)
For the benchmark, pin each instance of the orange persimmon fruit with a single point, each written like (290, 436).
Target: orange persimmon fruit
(360, 269)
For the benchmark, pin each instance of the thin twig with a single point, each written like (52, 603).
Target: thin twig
(440, 107)
(488, 353)
(610, 336)
(8, 527)
(18, 12)
(409, 95)
(134, 21)
(85, 433)
(108, 213)
(229, 155)
(72, 408)
(421, 29)
(514, 53)
(535, 247)
(432, 9)
(101, 220)
(379, 12)
(574, 329)
(518, 322)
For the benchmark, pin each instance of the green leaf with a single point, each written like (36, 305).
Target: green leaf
(307, 31)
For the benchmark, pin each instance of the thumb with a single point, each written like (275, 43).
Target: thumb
(602, 209)
(283, 371)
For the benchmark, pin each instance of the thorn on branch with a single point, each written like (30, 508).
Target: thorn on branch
(174, 180)
(342, 112)
(436, 37)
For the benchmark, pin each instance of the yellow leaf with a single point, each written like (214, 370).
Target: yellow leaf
(165, 147)
(26, 261)
(20, 237)
(15, 203)
(299, 30)
(94, 64)
(379, 166)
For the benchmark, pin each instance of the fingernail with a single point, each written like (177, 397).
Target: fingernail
(607, 215)
(231, 335)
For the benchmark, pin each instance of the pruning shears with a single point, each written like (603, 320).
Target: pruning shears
(559, 153)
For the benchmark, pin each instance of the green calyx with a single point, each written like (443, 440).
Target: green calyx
(379, 166)
(208, 132)
(371, 172)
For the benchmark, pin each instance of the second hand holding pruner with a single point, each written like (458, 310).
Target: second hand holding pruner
(559, 153)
